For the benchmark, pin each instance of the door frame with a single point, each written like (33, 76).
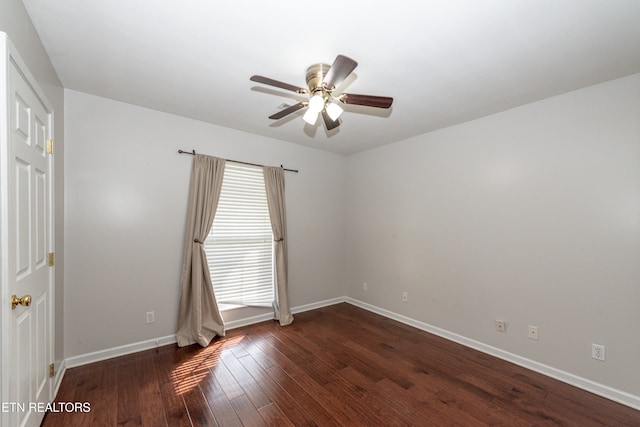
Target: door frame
(8, 55)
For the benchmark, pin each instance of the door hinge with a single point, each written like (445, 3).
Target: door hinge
(52, 370)
(51, 259)
(50, 146)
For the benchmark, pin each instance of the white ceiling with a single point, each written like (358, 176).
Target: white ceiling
(444, 62)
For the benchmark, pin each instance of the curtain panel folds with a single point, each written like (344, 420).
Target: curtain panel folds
(199, 319)
(274, 185)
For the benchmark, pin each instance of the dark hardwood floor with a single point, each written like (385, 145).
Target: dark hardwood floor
(338, 365)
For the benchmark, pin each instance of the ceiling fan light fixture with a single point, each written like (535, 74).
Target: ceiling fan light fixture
(311, 116)
(322, 80)
(316, 103)
(334, 111)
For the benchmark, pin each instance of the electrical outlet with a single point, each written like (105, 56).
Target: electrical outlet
(533, 333)
(598, 352)
(501, 326)
(405, 296)
(365, 286)
(151, 316)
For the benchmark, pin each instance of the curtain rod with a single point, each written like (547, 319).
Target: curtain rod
(193, 153)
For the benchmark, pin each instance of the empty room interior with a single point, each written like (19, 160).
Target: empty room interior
(450, 197)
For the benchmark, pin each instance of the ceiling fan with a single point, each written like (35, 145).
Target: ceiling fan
(322, 80)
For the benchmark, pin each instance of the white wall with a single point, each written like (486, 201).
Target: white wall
(15, 21)
(531, 215)
(126, 197)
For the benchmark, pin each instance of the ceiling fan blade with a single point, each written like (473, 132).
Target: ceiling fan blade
(288, 110)
(329, 124)
(276, 83)
(340, 69)
(366, 100)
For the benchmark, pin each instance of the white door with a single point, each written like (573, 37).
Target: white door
(30, 241)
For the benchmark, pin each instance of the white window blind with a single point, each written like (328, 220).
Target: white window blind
(239, 247)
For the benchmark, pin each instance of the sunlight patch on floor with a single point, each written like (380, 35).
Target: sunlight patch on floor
(191, 372)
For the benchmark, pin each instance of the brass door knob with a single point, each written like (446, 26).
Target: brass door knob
(25, 300)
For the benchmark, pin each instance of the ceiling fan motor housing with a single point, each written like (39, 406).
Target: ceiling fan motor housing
(315, 77)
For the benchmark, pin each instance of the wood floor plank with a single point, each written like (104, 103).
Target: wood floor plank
(274, 417)
(251, 388)
(294, 400)
(247, 412)
(167, 364)
(88, 387)
(410, 403)
(334, 366)
(104, 407)
(227, 381)
(146, 369)
(174, 407)
(306, 399)
(217, 399)
(199, 412)
(343, 404)
(286, 403)
(152, 408)
(373, 367)
(128, 395)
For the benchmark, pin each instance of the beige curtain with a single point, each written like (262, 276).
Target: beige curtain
(199, 319)
(274, 184)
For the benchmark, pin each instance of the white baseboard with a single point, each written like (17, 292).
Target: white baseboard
(233, 324)
(582, 383)
(122, 350)
(320, 304)
(566, 377)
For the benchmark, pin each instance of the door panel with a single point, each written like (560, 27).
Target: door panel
(40, 214)
(40, 135)
(23, 226)
(23, 340)
(30, 240)
(41, 376)
(22, 119)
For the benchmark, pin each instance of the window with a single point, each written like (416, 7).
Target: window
(239, 247)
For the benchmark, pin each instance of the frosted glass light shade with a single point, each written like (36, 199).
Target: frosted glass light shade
(316, 103)
(310, 116)
(334, 111)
